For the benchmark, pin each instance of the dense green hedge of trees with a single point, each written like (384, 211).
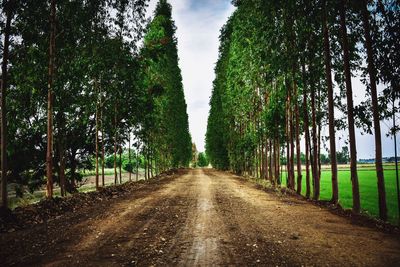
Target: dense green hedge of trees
(202, 160)
(279, 62)
(76, 86)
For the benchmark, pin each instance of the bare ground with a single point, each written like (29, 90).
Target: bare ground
(200, 218)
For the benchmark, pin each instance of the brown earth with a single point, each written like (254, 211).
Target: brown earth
(198, 218)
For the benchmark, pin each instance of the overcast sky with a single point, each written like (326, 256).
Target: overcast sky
(198, 24)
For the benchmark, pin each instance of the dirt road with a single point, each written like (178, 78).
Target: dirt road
(200, 218)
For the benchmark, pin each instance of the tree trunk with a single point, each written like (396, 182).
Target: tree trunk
(331, 110)
(257, 162)
(102, 148)
(298, 153)
(267, 156)
(319, 139)
(271, 160)
(49, 154)
(307, 144)
(375, 111)
(137, 162)
(148, 164)
(277, 162)
(145, 162)
(350, 109)
(273, 178)
(315, 171)
(4, 70)
(72, 189)
(120, 165)
(319, 154)
(307, 132)
(288, 167)
(291, 117)
(151, 164)
(261, 155)
(129, 156)
(97, 139)
(115, 145)
(290, 142)
(395, 151)
(62, 168)
(394, 90)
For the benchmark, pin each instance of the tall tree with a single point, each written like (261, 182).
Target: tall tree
(375, 112)
(350, 108)
(331, 109)
(165, 129)
(307, 133)
(52, 67)
(8, 8)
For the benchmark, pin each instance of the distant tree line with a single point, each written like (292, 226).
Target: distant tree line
(342, 157)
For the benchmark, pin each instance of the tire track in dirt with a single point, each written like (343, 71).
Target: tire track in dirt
(203, 239)
(300, 233)
(63, 241)
(131, 234)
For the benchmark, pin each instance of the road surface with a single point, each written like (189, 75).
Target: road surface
(200, 218)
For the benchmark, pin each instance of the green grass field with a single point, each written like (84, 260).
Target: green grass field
(368, 190)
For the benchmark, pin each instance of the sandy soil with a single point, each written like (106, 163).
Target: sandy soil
(200, 218)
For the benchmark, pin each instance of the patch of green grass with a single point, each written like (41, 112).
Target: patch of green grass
(31, 198)
(107, 171)
(368, 190)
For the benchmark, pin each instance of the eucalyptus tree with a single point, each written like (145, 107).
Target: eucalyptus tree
(27, 99)
(304, 32)
(331, 110)
(375, 109)
(166, 129)
(8, 8)
(350, 106)
(96, 18)
(387, 18)
(50, 84)
(216, 135)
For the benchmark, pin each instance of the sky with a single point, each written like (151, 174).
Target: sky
(198, 25)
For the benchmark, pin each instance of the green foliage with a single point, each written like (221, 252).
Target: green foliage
(165, 130)
(202, 160)
(216, 136)
(250, 88)
(343, 156)
(104, 84)
(129, 166)
(271, 78)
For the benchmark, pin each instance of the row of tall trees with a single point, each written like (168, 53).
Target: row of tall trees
(284, 70)
(76, 87)
(166, 126)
